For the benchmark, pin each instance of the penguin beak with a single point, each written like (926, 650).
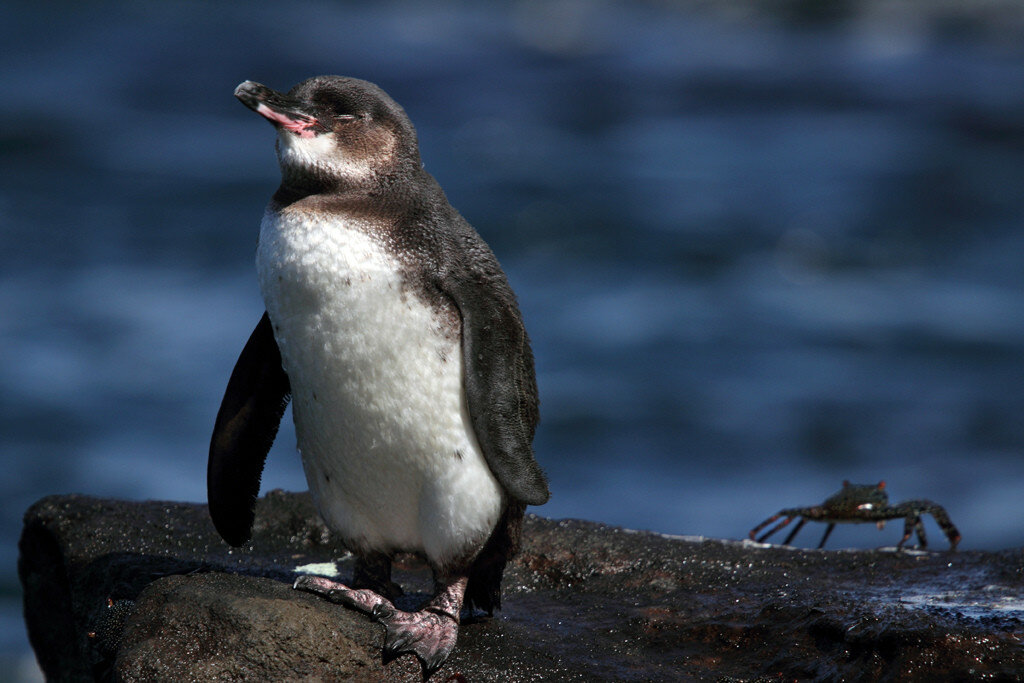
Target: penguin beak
(281, 110)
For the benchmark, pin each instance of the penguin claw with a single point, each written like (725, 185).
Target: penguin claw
(427, 634)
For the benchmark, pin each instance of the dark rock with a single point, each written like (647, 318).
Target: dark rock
(108, 632)
(215, 626)
(582, 602)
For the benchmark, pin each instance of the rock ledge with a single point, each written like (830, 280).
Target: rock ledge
(583, 601)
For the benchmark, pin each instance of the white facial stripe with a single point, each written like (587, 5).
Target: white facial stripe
(319, 152)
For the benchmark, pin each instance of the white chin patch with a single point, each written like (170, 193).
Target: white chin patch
(319, 152)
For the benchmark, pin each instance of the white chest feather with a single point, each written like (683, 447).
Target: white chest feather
(377, 389)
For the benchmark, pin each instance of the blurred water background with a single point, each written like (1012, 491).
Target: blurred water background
(760, 248)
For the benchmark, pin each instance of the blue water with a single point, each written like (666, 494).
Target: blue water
(756, 255)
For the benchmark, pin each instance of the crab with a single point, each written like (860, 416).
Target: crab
(857, 503)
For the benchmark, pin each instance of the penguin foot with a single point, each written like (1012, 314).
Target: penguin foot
(362, 599)
(429, 634)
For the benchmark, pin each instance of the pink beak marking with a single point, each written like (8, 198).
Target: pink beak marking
(300, 126)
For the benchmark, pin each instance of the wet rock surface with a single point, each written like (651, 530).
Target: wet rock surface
(582, 602)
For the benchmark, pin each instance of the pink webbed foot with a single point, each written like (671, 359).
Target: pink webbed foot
(428, 634)
(362, 599)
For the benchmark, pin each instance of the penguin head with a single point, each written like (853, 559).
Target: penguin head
(335, 131)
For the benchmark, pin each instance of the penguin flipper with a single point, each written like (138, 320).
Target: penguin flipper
(500, 385)
(250, 413)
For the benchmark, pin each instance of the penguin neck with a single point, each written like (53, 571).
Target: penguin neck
(299, 183)
(289, 193)
(362, 192)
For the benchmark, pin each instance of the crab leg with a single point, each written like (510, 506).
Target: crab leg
(915, 508)
(919, 526)
(798, 527)
(945, 523)
(828, 531)
(770, 531)
(910, 523)
(774, 530)
(753, 532)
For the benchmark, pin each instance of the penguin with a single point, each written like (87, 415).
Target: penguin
(393, 331)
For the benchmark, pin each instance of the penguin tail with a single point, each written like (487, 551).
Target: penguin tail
(483, 591)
